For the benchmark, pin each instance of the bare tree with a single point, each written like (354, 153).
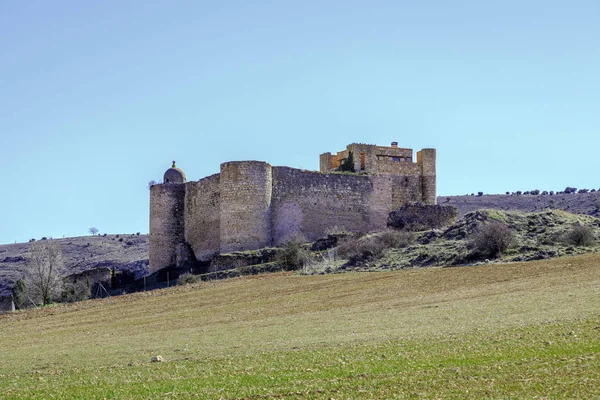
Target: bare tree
(93, 230)
(44, 271)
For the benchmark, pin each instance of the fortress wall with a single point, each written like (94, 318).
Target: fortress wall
(245, 205)
(406, 189)
(309, 203)
(427, 159)
(398, 167)
(202, 216)
(166, 223)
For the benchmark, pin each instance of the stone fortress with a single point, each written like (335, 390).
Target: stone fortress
(251, 204)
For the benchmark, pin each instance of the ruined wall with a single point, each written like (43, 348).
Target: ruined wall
(202, 217)
(309, 203)
(166, 223)
(245, 205)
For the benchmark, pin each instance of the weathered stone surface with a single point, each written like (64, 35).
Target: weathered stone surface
(422, 216)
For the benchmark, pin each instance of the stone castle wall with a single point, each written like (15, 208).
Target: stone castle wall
(246, 188)
(250, 204)
(167, 223)
(309, 202)
(203, 216)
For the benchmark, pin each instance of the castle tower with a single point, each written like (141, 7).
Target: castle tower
(167, 219)
(245, 204)
(426, 159)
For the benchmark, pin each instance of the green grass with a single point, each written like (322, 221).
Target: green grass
(520, 330)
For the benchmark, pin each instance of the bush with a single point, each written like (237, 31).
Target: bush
(493, 239)
(76, 291)
(348, 164)
(479, 194)
(580, 235)
(20, 294)
(293, 255)
(535, 192)
(395, 239)
(358, 249)
(569, 190)
(187, 278)
(583, 191)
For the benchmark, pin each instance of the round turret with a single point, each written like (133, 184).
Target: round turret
(174, 175)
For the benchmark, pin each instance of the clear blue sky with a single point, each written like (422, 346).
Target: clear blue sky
(97, 97)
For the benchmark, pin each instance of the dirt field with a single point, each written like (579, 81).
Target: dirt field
(258, 330)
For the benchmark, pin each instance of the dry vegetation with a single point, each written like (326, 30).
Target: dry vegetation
(518, 330)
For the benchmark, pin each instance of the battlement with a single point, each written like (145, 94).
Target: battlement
(370, 158)
(251, 204)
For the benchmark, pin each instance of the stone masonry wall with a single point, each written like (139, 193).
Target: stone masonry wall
(427, 159)
(166, 223)
(245, 207)
(309, 203)
(202, 217)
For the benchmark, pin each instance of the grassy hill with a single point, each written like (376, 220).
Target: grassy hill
(124, 252)
(517, 330)
(576, 203)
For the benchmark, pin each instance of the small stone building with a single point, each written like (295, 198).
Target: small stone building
(251, 204)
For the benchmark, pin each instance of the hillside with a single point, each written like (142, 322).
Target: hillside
(576, 203)
(518, 330)
(123, 252)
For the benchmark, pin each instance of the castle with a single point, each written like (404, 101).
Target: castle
(251, 204)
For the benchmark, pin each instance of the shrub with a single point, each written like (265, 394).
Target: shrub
(293, 255)
(76, 291)
(391, 238)
(348, 164)
(20, 294)
(357, 249)
(187, 278)
(545, 193)
(583, 191)
(580, 235)
(535, 192)
(493, 239)
(569, 190)
(518, 192)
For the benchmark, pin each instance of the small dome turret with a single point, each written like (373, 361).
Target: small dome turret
(174, 175)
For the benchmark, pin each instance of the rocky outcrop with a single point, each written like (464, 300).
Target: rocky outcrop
(417, 217)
